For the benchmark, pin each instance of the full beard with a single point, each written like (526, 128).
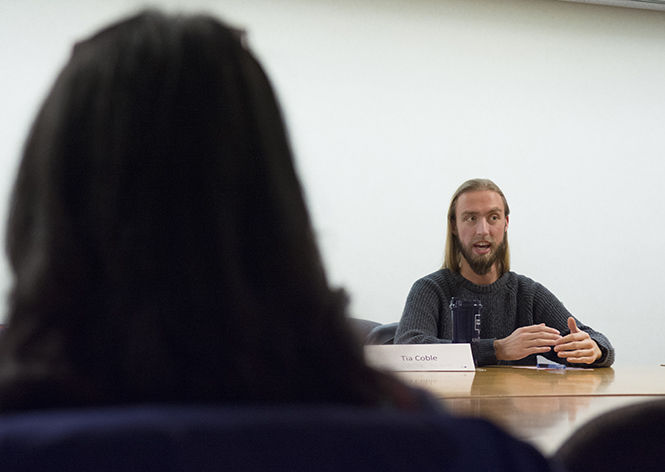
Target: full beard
(481, 265)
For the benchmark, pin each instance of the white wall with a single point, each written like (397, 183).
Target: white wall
(392, 104)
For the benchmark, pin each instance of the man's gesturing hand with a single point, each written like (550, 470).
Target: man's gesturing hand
(577, 347)
(527, 340)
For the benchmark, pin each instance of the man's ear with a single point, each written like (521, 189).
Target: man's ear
(453, 227)
(505, 230)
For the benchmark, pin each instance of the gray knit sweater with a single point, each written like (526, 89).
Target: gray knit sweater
(509, 303)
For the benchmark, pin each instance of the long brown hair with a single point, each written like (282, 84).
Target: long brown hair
(453, 255)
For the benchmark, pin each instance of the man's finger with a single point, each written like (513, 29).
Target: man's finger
(572, 325)
(539, 328)
(541, 341)
(538, 350)
(580, 357)
(580, 336)
(541, 334)
(572, 346)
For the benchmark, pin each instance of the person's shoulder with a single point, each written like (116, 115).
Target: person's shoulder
(440, 278)
(426, 282)
(502, 452)
(462, 433)
(520, 279)
(440, 275)
(526, 284)
(507, 453)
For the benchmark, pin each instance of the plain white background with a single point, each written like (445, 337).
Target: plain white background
(391, 104)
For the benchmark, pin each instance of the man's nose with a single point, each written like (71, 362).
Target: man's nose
(483, 227)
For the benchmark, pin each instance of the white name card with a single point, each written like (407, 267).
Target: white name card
(420, 357)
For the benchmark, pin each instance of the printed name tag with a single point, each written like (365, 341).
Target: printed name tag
(420, 357)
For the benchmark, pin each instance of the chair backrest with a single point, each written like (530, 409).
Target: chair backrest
(361, 328)
(382, 334)
(298, 438)
(629, 438)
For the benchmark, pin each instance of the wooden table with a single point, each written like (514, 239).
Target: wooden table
(541, 406)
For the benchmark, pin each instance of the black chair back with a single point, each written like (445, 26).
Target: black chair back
(631, 438)
(382, 334)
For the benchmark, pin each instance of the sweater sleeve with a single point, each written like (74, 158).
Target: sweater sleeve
(419, 322)
(549, 310)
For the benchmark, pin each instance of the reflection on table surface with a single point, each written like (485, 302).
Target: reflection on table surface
(541, 406)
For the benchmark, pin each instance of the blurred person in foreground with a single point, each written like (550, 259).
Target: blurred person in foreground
(161, 249)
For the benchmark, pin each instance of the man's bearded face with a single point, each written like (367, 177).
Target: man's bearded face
(481, 264)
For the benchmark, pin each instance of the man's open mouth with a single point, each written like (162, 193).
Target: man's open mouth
(482, 248)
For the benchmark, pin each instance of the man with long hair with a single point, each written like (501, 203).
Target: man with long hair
(520, 318)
